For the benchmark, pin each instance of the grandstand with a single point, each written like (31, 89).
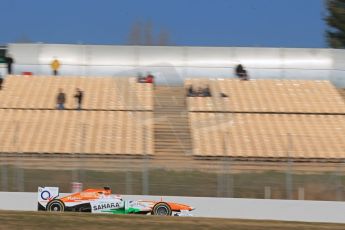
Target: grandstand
(102, 93)
(268, 135)
(116, 117)
(267, 119)
(68, 132)
(260, 119)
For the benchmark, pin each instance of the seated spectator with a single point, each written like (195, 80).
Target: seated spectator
(223, 95)
(206, 92)
(140, 78)
(150, 78)
(241, 73)
(199, 92)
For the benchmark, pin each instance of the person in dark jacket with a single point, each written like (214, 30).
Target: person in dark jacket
(1, 81)
(60, 100)
(9, 62)
(79, 98)
(190, 91)
(241, 72)
(206, 92)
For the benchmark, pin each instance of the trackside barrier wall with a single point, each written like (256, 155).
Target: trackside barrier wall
(288, 210)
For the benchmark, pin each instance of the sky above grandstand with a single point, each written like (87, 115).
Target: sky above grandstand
(267, 23)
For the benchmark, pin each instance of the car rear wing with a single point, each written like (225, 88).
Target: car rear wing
(46, 194)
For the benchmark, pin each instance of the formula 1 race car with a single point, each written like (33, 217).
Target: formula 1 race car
(102, 201)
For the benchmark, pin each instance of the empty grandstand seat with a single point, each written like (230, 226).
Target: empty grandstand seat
(268, 135)
(290, 96)
(268, 119)
(68, 132)
(102, 93)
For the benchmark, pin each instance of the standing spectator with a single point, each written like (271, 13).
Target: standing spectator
(140, 78)
(239, 70)
(9, 62)
(190, 91)
(1, 81)
(60, 100)
(55, 65)
(79, 98)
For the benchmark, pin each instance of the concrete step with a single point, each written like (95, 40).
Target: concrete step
(166, 144)
(171, 140)
(164, 120)
(169, 95)
(168, 105)
(168, 156)
(172, 132)
(170, 124)
(169, 145)
(173, 137)
(168, 112)
(162, 117)
(172, 108)
(174, 153)
(181, 114)
(172, 149)
(179, 136)
(165, 117)
(161, 142)
(168, 128)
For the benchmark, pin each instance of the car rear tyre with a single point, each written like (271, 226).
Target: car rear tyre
(161, 209)
(55, 206)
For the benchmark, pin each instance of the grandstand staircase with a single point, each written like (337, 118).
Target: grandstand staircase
(171, 126)
(342, 92)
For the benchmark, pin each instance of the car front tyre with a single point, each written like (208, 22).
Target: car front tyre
(161, 209)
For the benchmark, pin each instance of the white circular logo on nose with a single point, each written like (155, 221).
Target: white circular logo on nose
(45, 195)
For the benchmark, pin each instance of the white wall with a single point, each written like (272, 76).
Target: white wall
(259, 209)
(173, 64)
